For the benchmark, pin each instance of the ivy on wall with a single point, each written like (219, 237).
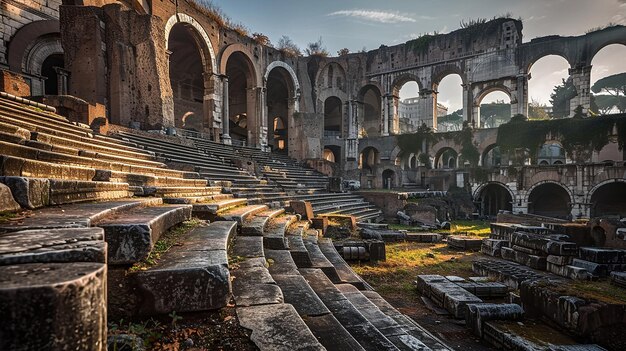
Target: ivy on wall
(575, 134)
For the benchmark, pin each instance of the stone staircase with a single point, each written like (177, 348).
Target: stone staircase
(102, 233)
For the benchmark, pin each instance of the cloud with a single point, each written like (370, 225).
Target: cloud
(374, 16)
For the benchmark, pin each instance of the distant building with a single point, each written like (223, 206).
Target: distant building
(409, 114)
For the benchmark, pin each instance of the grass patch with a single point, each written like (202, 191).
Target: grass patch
(469, 227)
(594, 290)
(165, 243)
(406, 260)
(7, 216)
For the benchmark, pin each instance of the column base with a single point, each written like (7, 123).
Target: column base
(226, 140)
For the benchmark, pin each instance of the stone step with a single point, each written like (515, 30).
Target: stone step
(143, 180)
(21, 167)
(53, 306)
(211, 209)
(180, 191)
(275, 236)
(406, 323)
(27, 152)
(318, 259)
(345, 312)
(187, 200)
(131, 235)
(257, 224)
(385, 324)
(344, 272)
(53, 246)
(192, 276)
(57, 137)
(242, 213)
(277, 327)
(75, 215)
(298, 250)
(252, 283)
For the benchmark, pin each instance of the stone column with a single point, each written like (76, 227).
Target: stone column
(394, 119)
(62, 75)
(263, 125)
(467, 102)
(427, 107)
(522, 94)
(225, 112)
(384, 130)
(581, 77)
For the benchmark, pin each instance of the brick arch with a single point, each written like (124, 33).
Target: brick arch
(207, 47)
(402, 79)
(292, 74)
(482, 186)
(39, 52)
(534, 186)
(478, 98)
(601, 184)
(25, 37)
(234, 48)
(442, 71)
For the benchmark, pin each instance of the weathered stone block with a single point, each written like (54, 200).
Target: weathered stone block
(568, 271)
(532, 261)
(478, 314)
(303, 208)
(602, 255)
(598, 269)
(559, 260)
(53, 306)
(7, 202)
(456, 302)
(464, 242)
(30, 193)
(53, 245)
(493, 247)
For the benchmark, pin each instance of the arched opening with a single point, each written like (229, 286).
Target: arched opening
(446, 158)
(607, 69)
(495, 109)
(187, 76)
(544, 76)
(550, 200)
(449, 103)
(388, 179)
(241, 97)
(49, 69)
(609, 200)
(413, 161)
(551, 154)
(492, 157)
(333, 116)
(494, 198)
(409, 104)
(279, 90)
(371, 112)
(368, 158)
(332, 153)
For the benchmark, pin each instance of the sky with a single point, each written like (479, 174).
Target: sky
(368, 24)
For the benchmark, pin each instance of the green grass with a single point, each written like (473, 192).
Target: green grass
(7, 216)
(165, 243)
(406, 260)
(473, 228)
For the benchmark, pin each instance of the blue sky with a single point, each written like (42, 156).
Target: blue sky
(368, 23)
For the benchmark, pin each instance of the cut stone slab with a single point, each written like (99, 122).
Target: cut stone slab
(619, 279)
(319, 260)
(532, 261)
(275, 233)
(132, 235)
(298, 293)
(256, 224)
(30, 193)
(248, 247)
(331, 334)
(253, 285)
(478, 314)
(464, 242)
(485, 290)
(7, 202)
(192, 276)
(568, 271)
(241, 214)
(493, 247)
(345, 273)
(456, 301)
(75, 215)
(53, 245)
(277, 327)
(544, 243)
(424, 237)
(54, 306)
(281, 263)
(424, 282)
(603, 255)
(598, 269)
(303, 208)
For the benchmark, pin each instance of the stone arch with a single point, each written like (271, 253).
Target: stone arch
(442, 71)
(369, 157)
(555, 208)
(389, 178)
(598, 46)
(484, 157)
(39, 52)
(280, 89)
(402, 79)
(337, 72)
(494, 197)
(207, 45)
(370, 110)
(242, 49)
(292, 73)
(25, 37)
(451, 155)
(333, 116)
(544, 54)
(333, 150)
(607, 204)
(490, 89)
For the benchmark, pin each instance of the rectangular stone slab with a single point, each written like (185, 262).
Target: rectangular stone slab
(297, 292)
(603, 255)
(132, 235)
(53, 245)
(192, 276)
(331, 334)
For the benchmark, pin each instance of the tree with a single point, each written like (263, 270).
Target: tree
(537, 110)
(560, 98)
(288, 47)
(343, 52)
(614, 85)
(316, 48)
